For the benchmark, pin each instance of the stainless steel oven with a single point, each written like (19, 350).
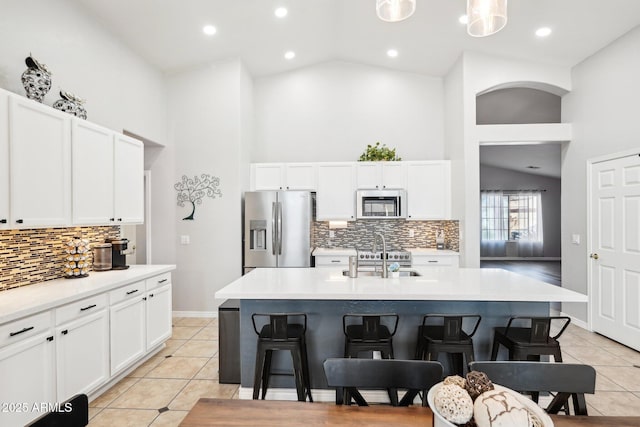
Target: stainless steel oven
(381, 204)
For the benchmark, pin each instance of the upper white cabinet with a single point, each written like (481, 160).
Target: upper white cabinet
(335, 197)
(40, 169)
(381, 175)
(429, 190)
(283, 176)
(128, 180)
(4, 160)
(92, 173)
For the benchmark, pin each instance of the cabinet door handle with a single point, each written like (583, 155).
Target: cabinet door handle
(144, 298)
(13, 334)
(162, 281)
(3, 221)
(433, 261)
(119, 219)
(335, 260)
(112, 219)
(49, 339)
(19, 221)
(65, 332)
(132, 292)
(150, 295)
(87, 307)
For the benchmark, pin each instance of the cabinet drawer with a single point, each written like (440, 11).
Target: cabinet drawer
(125, 292)
(81, 308)
(160, 280)
(24, 328)
(432, 260)
(323, 261)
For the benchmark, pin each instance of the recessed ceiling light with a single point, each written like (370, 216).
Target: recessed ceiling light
(543, 32)
(392, 53)
(209, 30)
(290, 54)
(281, 12)
(464, 19)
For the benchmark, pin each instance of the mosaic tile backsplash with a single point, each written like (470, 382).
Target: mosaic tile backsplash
(36, 255)
(397, 234)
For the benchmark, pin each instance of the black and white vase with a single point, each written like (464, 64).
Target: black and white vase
(36, 79)
(71, 104)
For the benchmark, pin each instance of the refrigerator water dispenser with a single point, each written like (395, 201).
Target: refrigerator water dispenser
(258, 235)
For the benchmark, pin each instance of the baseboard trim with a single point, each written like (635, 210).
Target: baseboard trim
(515, 258)
(319, 395)
(195, 314)
(575, 321)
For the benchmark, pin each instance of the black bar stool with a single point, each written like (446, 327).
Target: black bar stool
(281, 334)
(367, 332)
(530, 342)
(447, 337)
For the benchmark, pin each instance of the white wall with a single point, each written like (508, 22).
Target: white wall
(603, 107)
(331, 111)
(208, 122)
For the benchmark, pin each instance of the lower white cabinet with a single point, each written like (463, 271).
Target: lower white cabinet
(435, 260)
(27, 373)
(158, 315)
(82, 354)
(127, 319)
(332, 260)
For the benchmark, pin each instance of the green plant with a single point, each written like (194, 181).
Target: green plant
(378, 152)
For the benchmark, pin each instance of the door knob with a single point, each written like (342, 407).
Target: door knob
(594, 256)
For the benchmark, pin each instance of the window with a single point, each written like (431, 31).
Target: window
(511, 216)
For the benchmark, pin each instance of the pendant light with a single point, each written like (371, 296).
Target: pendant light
(395, 10)
(486, 17)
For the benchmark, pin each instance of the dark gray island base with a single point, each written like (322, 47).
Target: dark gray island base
(325, 338)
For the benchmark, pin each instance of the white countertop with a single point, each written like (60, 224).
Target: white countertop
(435, 283)
(31, 299)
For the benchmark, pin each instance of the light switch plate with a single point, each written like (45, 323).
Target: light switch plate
(575, 239)
(185, 240)
(412, 232)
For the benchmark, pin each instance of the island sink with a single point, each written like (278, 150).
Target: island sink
(370, 273)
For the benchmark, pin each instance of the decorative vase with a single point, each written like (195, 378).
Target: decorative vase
(36, 79)
(71, 104)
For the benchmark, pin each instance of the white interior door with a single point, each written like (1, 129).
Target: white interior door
(615, 249)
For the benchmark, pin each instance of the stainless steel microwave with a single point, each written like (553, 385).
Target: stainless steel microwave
(381, 204)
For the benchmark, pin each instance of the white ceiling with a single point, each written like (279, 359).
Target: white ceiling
(546, 157)
(168, 33)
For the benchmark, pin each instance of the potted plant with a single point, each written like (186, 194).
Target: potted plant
(378, 152)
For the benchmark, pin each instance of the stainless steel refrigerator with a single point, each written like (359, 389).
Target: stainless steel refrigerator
(277, 229)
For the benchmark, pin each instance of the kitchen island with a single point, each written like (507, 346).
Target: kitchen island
(325, 294)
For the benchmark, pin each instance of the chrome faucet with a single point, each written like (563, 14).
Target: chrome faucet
(385, 272)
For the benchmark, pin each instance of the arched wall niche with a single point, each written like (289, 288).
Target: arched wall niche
(519, 103)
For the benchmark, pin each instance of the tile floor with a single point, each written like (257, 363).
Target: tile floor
(162, 390)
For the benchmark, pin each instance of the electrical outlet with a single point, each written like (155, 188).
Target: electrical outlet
(412, 232)
(332, 234)
(185, 240)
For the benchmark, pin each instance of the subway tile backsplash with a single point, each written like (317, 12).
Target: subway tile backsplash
(36, 255)
(397, 234)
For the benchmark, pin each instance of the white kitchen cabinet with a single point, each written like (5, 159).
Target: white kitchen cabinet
(158, 314)
(128, 180)
(428, 190)
(82, 346)
(4, 160)
(381, 175)
(434, 260)
(27, 364)
(335, 196)
(92, 151)
(128, 326)
(283, 176)
(332, 260)
(40, 159)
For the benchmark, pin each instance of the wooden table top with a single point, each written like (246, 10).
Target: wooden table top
(266, 413)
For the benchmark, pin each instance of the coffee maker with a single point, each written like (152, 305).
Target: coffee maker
(118, 253)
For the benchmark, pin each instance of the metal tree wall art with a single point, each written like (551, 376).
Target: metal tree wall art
(194, 190)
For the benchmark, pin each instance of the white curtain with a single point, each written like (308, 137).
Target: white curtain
(511, 216)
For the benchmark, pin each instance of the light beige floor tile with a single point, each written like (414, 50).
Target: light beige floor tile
(143, 369)
(595, 356)
(178, 367)
(184, 332)
(110, 395)
(123, 418)
(194, 321)
(207, 333)
(592, 411)
(149, 393)
(201, 388)
(626, 376)
(570, 340)
(605, 384)
(567, 358)
(197, 348)
(94, 411)
(175, 321)
(209, 371)
(171, 346)
(615, 403)
(169, 419)
(629, 354)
